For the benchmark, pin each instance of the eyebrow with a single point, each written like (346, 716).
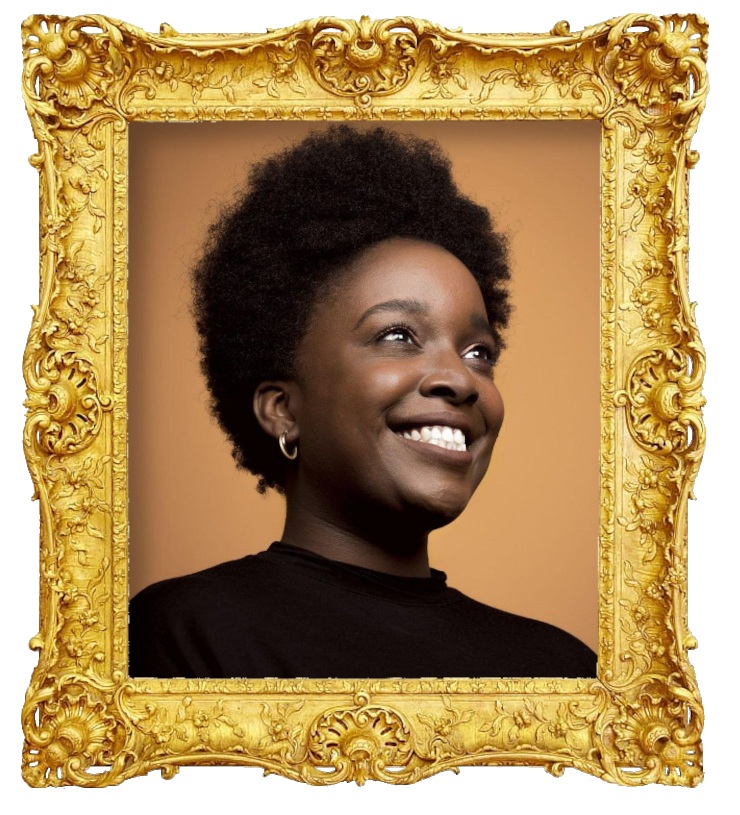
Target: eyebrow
(480, 322)
(410, 306)
(417, 307)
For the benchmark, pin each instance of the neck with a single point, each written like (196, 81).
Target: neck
(389, 546)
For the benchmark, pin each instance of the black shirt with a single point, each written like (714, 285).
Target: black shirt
(289, 613)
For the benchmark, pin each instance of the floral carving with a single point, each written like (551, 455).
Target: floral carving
(442, 72)
(283, 72)
(78, 301)
(74, 496)
(360, 742)
(194, 726)
(199, 75)
(649, 645)
(536, 75)
(652, 490)
(531, 723)
(444, 740)
(152, 722)
(364, 59)
(648, 194)
(72, 576)
(206, 726)
(650, 277)
(283, 735)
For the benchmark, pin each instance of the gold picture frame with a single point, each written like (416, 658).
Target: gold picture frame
(84, 80)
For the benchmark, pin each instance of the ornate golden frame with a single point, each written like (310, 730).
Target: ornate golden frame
(84, 79)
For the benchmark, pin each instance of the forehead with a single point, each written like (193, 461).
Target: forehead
(402, 268)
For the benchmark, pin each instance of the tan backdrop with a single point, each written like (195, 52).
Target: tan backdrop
(528, 541)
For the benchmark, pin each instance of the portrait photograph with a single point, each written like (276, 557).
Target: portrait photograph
(371, 416)
(526, 542)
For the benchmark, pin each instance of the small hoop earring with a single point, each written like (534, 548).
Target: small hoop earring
(284, 446)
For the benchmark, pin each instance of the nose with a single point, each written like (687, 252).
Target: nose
(450, 378)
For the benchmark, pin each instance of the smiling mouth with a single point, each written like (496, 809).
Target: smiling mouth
(449, 438)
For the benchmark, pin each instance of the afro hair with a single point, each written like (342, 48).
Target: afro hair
(305, 214)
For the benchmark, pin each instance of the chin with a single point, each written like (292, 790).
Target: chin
(439, 510)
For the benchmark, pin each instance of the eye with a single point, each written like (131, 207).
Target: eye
(396, 333)
(481, 353)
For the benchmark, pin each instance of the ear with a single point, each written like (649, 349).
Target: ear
(273, 406)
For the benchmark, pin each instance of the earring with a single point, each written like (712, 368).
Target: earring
(284, 446)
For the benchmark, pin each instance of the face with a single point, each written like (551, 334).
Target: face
(400, 356)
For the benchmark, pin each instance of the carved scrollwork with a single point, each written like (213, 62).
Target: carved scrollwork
(67, 409)
(658, 731)
(360, 742)
(68, 65)
(664, 401)
(70, 726)
(364, 59)
(653, 67)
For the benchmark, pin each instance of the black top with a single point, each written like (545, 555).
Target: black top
(289, 613)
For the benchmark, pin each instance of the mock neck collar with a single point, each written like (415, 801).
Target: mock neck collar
(432, 589)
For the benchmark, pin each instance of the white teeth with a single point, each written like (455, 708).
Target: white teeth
(440, 435)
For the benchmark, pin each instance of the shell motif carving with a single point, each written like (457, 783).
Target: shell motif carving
(68, 732)
(68, 64)
(653, 67)
(660, 735)
(364, 59)
(69, 409)
(360, 742)
(664, 402)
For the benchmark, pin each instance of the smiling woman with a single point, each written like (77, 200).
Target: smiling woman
(420, 364)
(361, 323)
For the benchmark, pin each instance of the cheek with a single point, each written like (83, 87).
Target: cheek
(378, 387)
(494, 409)
(347, 411)
(391, 377)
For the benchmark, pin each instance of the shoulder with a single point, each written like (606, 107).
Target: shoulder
(533, 648)
(189, 591)
(252, 577)
(176, 626)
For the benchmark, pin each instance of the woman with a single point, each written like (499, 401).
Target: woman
(350, 307)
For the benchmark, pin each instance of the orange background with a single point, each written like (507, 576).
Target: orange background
(528, 541)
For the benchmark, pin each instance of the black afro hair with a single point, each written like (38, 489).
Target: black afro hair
(305, 214)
